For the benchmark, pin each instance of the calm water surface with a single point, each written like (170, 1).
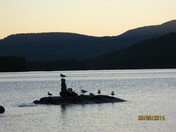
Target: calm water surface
(148, 92)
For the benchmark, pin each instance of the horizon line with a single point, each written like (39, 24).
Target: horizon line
(99, 36)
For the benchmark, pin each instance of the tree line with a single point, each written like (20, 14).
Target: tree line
(15, 64)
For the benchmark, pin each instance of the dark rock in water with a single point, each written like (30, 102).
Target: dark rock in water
(68, 96)
(2, 110)
(82, 99)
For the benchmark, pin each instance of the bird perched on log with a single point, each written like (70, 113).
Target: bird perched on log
(99, 92)
(83, 91)
(62, 75)
(91, 94)
(49, 94)
(112, 93)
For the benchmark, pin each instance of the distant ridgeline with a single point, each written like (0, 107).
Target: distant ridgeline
(53, 46)
(157, 52)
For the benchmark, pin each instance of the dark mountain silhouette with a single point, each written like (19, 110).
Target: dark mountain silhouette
(148, 32)
(153, 53)
(52, 46)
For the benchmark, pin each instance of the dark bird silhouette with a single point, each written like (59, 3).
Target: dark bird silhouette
(49, 94)
(62, 75)
(83, 91)
(2, 109)
(112, 93)
(99, 92)
(91, 94)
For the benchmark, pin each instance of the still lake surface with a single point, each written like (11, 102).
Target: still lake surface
(148, 92)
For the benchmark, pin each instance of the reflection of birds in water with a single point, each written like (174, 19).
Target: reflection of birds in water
(112, 93)
(99, 92)
(83, 91)
(62, 75)
(49, 94)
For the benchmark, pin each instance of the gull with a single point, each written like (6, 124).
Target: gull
(99, 92)
(91, 94)
(83, 91)
(62, 75)
(112, 93)
(49, 94)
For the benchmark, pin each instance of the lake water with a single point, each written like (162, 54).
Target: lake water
(148, 92)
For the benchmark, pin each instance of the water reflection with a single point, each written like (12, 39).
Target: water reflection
(1, 116)
(63, 109)
(147, 91)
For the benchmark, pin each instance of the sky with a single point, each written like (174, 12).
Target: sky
(90, 17)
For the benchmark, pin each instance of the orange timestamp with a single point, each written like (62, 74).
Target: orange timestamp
(151, 118)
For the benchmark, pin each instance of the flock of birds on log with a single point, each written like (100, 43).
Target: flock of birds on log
(82, 90)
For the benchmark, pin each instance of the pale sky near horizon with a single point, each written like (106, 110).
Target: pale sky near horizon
(90, 17)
